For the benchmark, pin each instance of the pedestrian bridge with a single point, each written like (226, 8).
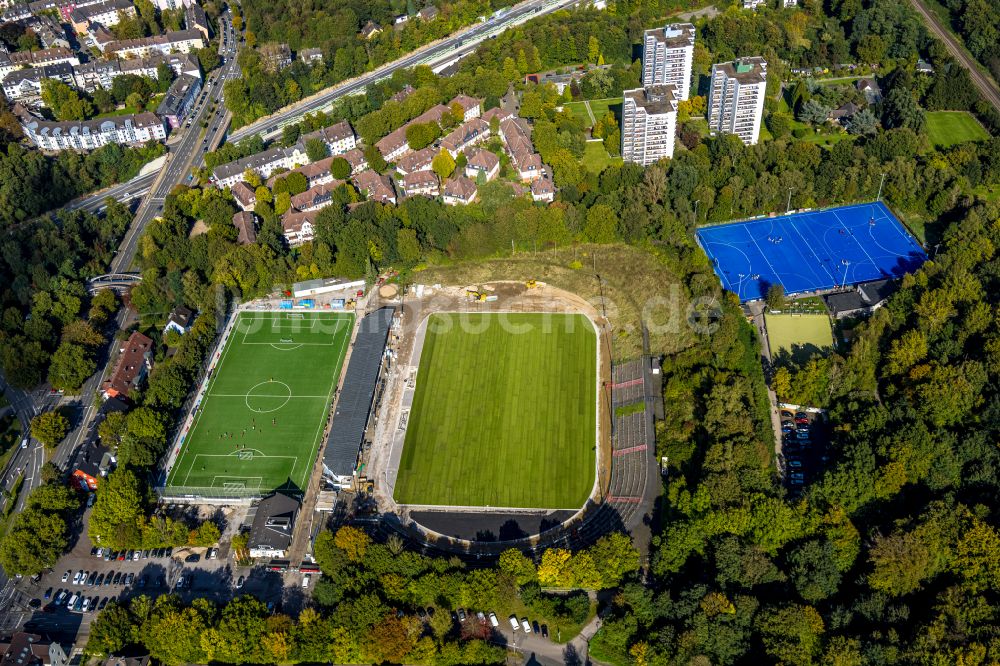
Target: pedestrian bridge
(119, 282)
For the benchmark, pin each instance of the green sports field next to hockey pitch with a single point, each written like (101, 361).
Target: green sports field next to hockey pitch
(260, 421)
(504, 413)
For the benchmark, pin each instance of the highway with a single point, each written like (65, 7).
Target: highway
(443, 50)
(189, 152)
(987, 86)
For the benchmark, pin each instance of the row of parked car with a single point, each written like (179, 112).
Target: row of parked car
(77, 603)
(109, 555)
(529, 627)
(97, 579)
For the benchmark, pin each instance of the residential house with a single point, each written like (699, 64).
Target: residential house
(196, 19)
(459, 190)
(244, 195)
(310, 56)
(394, 145)
(375, 187)
(516, 138)
(420, 183)
(263, 164)
(135, 358)
(870, 89)
(842, 114)
(126, 661)
(107, 13)
(428, 13)
(316, 197)
(49, 56)
(924, 67)
(246, 225)
(90, 134)
(470, 105)
(754, 4)
(271, 531)
(542, 189)
(498, 113)
(179, 320)
(356, 158)
(466, 135)
(173, 4)
(416, 161)
(24, 649)
(405, 92)
(299, 227)
(338, 138)
(50, 32)
(179, 100)
(481, 162)
(275, 56)
(102, 73)
(179, 41)
(369, 30)
(27, 83)
(94, 463)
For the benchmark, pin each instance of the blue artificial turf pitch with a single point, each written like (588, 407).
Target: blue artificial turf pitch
(812, 251)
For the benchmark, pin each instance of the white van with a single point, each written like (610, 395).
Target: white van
(493, 620)
(305, 580)
(514, 624)
(72, 600)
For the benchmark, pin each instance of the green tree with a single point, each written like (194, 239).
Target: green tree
(70, 367)
(49, 428)
(775, 298)
(340, 168)
(119, 511)
(316, 149)
(443, 165)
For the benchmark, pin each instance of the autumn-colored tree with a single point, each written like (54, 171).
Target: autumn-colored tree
(353, 541)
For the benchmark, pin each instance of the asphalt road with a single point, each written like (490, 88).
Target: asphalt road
(987, 87)
(450, 47)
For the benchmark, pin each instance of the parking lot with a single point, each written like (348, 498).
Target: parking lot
(95, 580)
(804, 440)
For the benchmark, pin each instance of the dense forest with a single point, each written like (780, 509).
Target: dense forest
(977, 22)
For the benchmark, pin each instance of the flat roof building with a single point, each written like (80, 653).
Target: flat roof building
(736, 98)
(649, 122)
(667, 57)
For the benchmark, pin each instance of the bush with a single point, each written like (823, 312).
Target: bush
(800, 132)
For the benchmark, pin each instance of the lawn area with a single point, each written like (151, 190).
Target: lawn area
(579, 109)
(504, 413)
(793, 333)
(948, 128)
(260, 421)
(596, 158)
(602, 106)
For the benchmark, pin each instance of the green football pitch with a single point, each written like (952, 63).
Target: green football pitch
(504, 413)
(259, 424)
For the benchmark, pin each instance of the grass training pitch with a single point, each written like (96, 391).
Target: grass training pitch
(504, 413)
(787, 332)
(949, 128)
(260, 421)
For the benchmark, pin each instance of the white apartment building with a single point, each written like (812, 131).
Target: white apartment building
(178, 41)
(736, 98)
(91, 134)
(649, 123)
(667, 57)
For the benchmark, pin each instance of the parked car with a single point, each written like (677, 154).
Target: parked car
(526, 625)
(535, 627)
(461, 615)
(785, 414)
(104, 602)
(99, 581)
(61, 597)
(109, 578)
(513, 623)
(493, 620)
(136, 555)
(239, 582)
(795, 464)
(305, 580)
(65, 576)
(193, 557)
(118, 577)
(128, 579)
(545, 631)
(142, 581)
(801, 417)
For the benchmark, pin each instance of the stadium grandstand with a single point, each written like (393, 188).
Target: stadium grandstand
(357, 398)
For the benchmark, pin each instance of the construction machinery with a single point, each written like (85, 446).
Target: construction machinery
(531, 284)
(476, 296)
